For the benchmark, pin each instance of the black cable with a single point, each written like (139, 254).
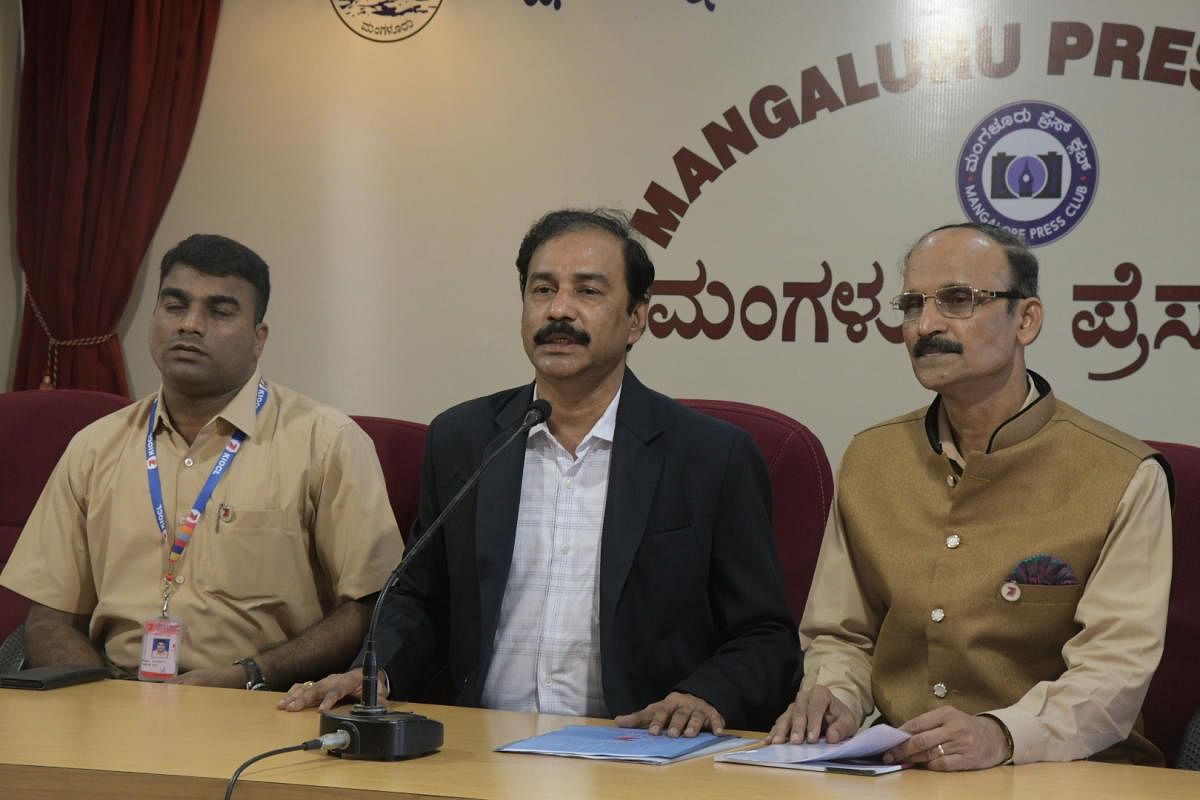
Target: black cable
(311, 744)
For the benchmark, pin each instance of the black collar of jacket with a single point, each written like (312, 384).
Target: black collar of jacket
(1017, 428)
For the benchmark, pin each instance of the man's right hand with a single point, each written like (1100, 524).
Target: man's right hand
(814, 711)
(329, 691)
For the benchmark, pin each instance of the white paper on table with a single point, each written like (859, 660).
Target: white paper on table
(873, 741)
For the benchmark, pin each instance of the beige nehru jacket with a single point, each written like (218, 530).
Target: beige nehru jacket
(906, 610)
(299, 523)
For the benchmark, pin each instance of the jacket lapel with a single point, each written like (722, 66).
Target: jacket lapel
(499, 497)
(633, 476)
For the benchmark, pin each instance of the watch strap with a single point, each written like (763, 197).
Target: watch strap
(1008, 740)
(254, 676)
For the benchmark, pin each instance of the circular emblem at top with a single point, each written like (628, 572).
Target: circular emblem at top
(1029, 167)
(386, 20)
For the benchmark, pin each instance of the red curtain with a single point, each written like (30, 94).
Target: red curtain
(110, 91)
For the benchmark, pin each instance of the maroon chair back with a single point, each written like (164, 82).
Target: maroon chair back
(801, 487)
(1175, 691)
(35, 427)
(401, 447)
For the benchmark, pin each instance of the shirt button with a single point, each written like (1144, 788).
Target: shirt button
(937, 615)
(546, 681)
(953, 541)
(1011, 591)
(567, 481)
(939, 690)
(187, 462)
(951, 481)
(180, 579)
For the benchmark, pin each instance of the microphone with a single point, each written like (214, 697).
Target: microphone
(376, 733)
(539, 412)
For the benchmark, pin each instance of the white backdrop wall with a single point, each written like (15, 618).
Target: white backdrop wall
(388, 186)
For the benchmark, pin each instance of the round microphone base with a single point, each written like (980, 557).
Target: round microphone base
(391, 736)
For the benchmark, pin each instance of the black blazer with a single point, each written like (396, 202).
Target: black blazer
(691, 597)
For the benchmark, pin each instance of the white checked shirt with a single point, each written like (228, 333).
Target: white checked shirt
(547, 646)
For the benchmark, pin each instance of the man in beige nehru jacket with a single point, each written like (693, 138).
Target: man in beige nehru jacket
(995, 570)
(223, 519)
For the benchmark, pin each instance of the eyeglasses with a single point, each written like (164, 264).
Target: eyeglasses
(957, 302)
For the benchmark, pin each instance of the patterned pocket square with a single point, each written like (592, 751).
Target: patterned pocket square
(1043, 570)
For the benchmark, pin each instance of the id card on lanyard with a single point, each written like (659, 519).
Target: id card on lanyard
(162, 635)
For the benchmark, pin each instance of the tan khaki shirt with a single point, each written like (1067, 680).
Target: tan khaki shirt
(1121, 610)
(299, 524)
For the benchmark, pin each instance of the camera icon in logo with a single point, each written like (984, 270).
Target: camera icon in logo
(1015, 176)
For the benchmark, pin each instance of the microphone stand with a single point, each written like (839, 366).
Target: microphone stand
(376, 733)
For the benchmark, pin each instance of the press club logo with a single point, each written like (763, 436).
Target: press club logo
(1029, 167)
(386, 20)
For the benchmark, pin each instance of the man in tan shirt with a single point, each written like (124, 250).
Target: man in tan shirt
(995, 572)
(294, 540)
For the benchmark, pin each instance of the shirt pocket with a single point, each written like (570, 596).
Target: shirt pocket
(1033, 594)
(256, 556)
(1041, 614)
(1033, 628)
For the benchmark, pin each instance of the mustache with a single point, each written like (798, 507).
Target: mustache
(935, 344)
(560, 327)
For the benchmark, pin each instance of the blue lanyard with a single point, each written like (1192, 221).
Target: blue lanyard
(193, 518)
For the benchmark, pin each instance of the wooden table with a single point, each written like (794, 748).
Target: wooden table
(120, 739)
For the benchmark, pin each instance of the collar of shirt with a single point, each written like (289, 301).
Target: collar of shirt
(239, 413)
(946, 435)
(604, 429)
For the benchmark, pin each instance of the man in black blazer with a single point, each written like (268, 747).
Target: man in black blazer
(689, 627)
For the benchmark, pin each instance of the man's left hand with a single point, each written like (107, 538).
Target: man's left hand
(948, 740)
(228, 677)
(678, 714)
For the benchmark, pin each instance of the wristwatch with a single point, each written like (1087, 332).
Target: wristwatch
(254, 676)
